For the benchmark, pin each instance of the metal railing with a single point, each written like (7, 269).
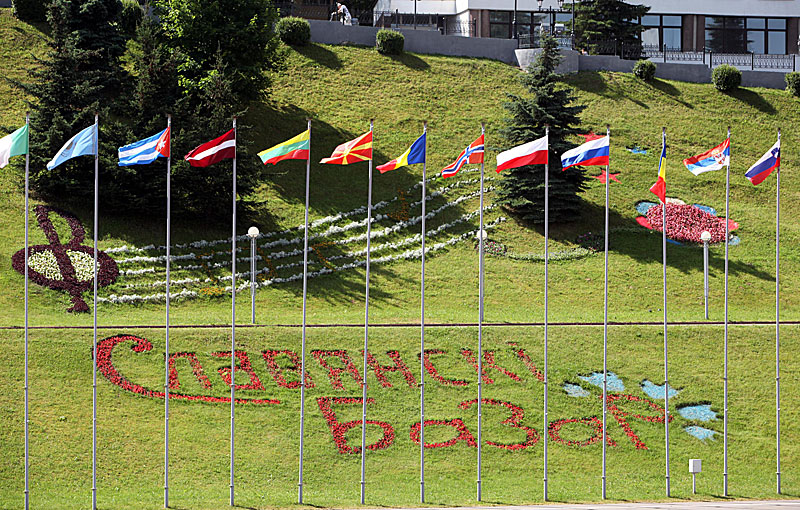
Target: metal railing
(462, 28)
(753, 60)
(565, 42)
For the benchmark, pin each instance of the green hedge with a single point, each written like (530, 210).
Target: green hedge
(726, 78)
(294, 31)
(389, 42)
(644, 70)
(793, 83)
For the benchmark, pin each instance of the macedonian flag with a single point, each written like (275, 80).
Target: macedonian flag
(353, 151)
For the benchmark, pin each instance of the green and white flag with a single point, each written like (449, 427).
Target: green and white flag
(15, 144)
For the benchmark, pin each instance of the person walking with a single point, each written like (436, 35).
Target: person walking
(344, 14)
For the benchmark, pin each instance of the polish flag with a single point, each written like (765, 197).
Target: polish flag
(531, 153)
(216, 150)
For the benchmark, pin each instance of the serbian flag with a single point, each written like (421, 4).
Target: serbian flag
(353, 151)
(415, 154)
(591, 153)
(531, 153)
(714, 159)
(472, 154)
(294, 148)
(660, 187)
(764, 166)
(214, 151)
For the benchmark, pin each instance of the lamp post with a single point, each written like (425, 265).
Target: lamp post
(705, 237)
(252, 233)
(514, 33)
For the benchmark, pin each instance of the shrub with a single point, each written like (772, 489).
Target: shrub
(644, 70)
(130, 17)
(294, 31)
(389, 42)
(30, 10)
(726, 78)
(793, 83)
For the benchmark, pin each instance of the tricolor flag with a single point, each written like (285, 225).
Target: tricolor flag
(714, 159)
(82, 144)
(294, 148)
(145, 151)
(660, 187)
(472, 154)
(591, 153)
(764, 166)
(415, 154)
(214, 151)
(531, 153)
(15, 144)
(353, 151)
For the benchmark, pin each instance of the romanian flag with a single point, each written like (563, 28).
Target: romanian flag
(353, 151)
(660, 187)
(294, 148)
(414, 154)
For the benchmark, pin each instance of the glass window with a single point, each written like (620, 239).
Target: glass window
(650, 20)
(777, 43)
(499, 31)
(563, 17)
(650, 37)
(714, 41)
(755, 41)
(779, 23)
(714, 22)
(672, 21)
(672, 38)
(538, 19)
(523, 18)
(499, 16)
(732, 23)
(756, 23)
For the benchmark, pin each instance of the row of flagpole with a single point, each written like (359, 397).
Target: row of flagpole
(360, 149)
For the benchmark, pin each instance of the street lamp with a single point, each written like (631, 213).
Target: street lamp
(514, 34)
(705, 237)
(252, 233)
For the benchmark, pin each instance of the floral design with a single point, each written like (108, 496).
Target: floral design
(685, 222)
(340, 429)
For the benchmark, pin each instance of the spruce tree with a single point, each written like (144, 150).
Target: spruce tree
(521, 190)
(609, 26)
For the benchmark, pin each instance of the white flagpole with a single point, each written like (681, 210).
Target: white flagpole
(605, 325)
(366, 335)
(233, 308)
(725, 379)
(166, 356)
(546, 256)
(27, 218)
(480, 330)
(422, 336)
(94, 304)
(303, 347)
(666, 359)
(778, 319)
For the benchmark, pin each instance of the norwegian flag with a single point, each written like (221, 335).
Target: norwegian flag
(472, 154)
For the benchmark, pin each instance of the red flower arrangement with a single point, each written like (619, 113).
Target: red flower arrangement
(340, 429)
(620, 415)
(244, 365)
(488, 362)
(594, 422)
(277, 372)
(686, 222)
(463, 433)
(197, 370)
(517, 413)
(529, 363)
(399, 366)
(334, 374)
(435, 373)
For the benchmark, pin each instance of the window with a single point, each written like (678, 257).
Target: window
(500, 24)
(662, 30)
(740, 35)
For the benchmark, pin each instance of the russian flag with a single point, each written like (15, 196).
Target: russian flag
(714, 159)
(591, 153)
(764, 166)
(531, 153)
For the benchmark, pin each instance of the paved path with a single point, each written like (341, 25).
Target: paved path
(715, 505)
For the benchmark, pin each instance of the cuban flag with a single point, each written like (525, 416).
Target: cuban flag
(714, 159)
(764, 166)
(145, 151)
(472, 154)
(591, 153)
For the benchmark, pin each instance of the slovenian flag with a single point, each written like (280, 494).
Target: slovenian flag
(531, 153)
(145, 151)
(591, 153)
(415, 154)
(714, 159)
(294, 148)
(659, 189)
(764, 166)
(472, 154)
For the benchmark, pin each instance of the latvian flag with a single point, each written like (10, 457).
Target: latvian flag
(472, 155)
(214, 151)
(764, 166)
(531, 153)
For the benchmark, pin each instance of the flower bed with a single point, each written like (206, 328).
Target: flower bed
(686, 222)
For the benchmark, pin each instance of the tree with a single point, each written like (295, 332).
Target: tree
(521, 191)
(608, 26)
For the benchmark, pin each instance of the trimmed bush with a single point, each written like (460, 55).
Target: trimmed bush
(726, 78)
(793, 83)
(130, 17)
(390, 42)
(644, 70)
(30, 10)
(294, 31)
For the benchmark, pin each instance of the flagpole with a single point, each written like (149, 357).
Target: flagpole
(666, 359)
(725, 378)
(546, 256)
(303, 352)
(233, 308)
(605, 325)
(94, 304)
(166, 356)
(480, 328)
(27, 218)
(778, 319)
(366, 335)
(422, 334)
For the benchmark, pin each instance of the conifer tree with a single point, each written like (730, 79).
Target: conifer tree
(609, 26)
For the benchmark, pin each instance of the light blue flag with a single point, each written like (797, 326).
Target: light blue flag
(81, 144)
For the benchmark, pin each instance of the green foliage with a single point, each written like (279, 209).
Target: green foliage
(726, 78)
(606, 26)
(521, 191)
(389, 42)
(793, 83)
(130, 17)
(644, 70)
(30, 10)
(294, 31)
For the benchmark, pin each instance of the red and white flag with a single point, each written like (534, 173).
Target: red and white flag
(531, 153)
(216, 150)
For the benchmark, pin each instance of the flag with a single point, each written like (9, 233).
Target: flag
(294, 148)
(214, 151)
(764, 166)
(592, 153)
(714, 159)
(531, 153)
(472, 154)
(145, 151)
(15, 144)
(414, 154)
(353, 151)
(660, 187)
(81, 144)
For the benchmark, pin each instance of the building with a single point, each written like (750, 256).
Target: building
(731, 26)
